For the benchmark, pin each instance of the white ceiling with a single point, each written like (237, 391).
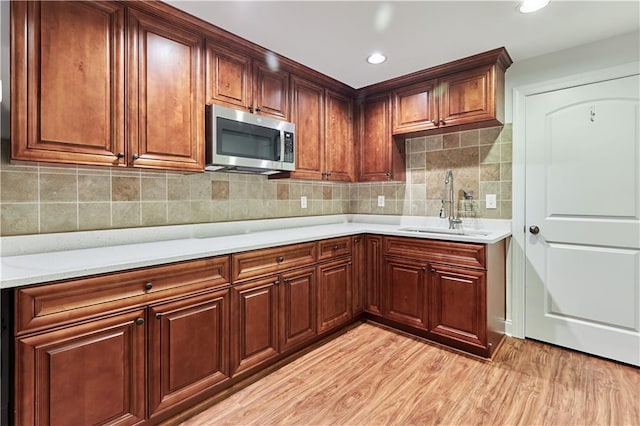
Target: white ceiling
(335, 37)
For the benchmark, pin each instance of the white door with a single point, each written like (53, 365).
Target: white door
(583, 193)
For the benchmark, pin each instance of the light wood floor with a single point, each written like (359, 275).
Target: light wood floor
(372, 376)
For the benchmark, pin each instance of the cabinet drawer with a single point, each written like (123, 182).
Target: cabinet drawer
(334, 247)
(461, 254)
(267, 261)
(68, 301)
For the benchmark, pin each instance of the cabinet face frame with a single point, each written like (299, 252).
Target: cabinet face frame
(123, 334)
(27, 116)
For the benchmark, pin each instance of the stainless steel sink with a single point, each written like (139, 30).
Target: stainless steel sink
(445, 231)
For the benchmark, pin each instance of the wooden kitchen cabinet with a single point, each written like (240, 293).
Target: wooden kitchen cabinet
(338, 143)
(188, 348)
(297, 308)
(466, 94)
(254, 323)
(68, 82)
(373, 274)
(165, 94)
(334, 294)
(404, 292)
(70, 106)
(236, 80)
(458, 312)
(380, 157)
(91, 373)
(359, 273)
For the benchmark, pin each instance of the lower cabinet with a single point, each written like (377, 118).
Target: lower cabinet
(334, 294)
(458, 312)
(188, 348)
(93, 373)
(373, 274)
(405, 292)
(271, 315)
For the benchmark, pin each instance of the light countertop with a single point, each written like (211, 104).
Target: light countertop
(50, 257)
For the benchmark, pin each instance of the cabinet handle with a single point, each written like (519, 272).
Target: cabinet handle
(258, 109)
(139, 321)
(388, 175)
(148, 286)
(276, 282)
(423, 269)
(328, 174)
(432, 270)
(158, 315)
(434, 122)
(120, 155)
(135, 157)
(280, 259)
(356, 241)
(250, 108)
(442, 122)
(350, 264)
(286, 280)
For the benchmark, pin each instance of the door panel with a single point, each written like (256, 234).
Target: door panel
(297, 307)
(405, 296)
(583, 192)
(334, 294)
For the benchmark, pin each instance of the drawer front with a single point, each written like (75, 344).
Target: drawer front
(461, 254)
(257, 263)
(63, 302)
(334, 247)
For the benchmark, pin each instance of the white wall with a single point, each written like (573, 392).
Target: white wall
(588, 57)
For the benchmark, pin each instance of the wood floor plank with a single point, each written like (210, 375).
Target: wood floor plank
(374, 376)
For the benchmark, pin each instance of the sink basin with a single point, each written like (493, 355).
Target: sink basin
(446, 231)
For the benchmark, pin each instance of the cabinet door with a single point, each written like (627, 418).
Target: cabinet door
(308, 116)
(334, 294)
(92, 373)
(458, 305)
(166, 128)
(67, 92)
(297, 307)
(405, 296)
(254, 323)
(338, 141)
(359, 274)
(270, 91)
(189, 348)
(468, 97)
(381, 158)
(415, 107)
(373, 274)
(228, 77)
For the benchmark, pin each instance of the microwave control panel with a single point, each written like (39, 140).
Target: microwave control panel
(288, 147)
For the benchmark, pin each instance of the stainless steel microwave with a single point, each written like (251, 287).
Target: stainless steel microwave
(239, 141)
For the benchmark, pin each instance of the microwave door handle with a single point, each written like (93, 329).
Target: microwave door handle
(278, 146)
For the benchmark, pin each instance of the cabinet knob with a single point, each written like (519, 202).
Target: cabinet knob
(286, 280)
(335, 248)
(350, 264)
(280, 259)
(120, 155)
(434, 122)
(442, 122)
(158, 315)
(258, 109)
(356, 241)
(135, 157)
(276, 282)
(148, 286)
(432, 270)
(250, 108)
(139, 321)
(423, 269)
(328, 174)
(388, 175)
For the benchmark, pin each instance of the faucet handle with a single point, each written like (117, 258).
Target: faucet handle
(442, 214)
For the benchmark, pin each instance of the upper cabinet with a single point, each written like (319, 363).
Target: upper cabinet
(68, 96)
(68, 82)
(472, 97)
(381, 158)
(338, 146)
(236, 80)
(165, 96)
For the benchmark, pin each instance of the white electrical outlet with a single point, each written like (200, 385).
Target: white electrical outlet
(380, 200)
(491, 201)
(303, 202)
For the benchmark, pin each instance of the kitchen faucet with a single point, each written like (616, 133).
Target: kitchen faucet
(453, 220)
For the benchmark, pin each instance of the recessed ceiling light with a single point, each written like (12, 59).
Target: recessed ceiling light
(376, 58)
(529, 6)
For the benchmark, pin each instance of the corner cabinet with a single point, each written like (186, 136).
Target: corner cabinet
(70, 107)
(380, 157)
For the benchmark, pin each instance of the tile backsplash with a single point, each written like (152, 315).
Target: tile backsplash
(42, 198)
